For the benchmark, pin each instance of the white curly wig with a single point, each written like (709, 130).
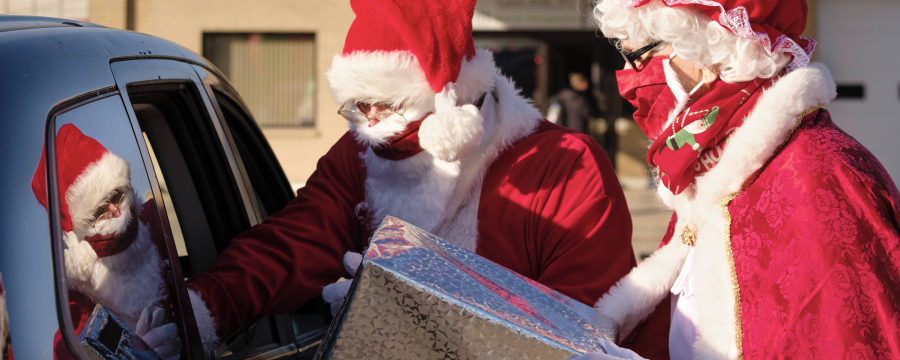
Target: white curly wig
(693, 36)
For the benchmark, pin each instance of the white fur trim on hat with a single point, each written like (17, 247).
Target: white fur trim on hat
(395, 78)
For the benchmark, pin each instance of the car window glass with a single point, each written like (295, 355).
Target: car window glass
(194, 176)
(309, 322)
(269, 183)
(116, 254)
(177, 234)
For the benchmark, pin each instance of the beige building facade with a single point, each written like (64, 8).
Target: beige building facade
(558, 32)
(186, 21)
(190, 23)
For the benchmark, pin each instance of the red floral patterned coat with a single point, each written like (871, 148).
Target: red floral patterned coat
(797, 253)
(816, 250)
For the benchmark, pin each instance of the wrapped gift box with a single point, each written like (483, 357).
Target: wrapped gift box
(416, 296)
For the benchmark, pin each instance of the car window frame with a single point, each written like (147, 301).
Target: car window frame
(193, 341)
(64, 313)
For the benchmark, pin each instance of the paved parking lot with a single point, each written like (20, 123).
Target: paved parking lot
(649, 218)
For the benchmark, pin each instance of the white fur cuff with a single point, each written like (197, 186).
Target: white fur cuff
(205, 323)
(636, 295)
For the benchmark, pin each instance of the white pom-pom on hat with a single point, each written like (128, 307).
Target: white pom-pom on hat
(452, 132)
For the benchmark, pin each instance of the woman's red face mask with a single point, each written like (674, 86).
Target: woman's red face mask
(650, 95)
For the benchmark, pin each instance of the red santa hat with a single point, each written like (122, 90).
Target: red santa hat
(775, 25)
(87, 175)
(403, 52)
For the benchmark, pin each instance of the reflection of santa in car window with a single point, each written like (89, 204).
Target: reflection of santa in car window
(6, 352)
(111, 236)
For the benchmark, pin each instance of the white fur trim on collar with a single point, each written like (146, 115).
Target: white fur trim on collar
(751, 146)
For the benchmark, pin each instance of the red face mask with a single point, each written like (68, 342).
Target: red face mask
(649, 93)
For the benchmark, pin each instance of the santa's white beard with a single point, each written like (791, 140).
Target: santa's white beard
(126, 282)
(384, 130)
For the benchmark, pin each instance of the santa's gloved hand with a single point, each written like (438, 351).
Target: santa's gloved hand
(334, 294)
(162, 338)
(452, 132)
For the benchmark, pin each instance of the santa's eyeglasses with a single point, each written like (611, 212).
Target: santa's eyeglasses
(360, 118)
(117, 197)
(636, 55)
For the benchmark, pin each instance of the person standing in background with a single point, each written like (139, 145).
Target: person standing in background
(573, 107)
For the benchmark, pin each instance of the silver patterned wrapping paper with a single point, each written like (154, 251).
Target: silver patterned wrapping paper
(416, 296)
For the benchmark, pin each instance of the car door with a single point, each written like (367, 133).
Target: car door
(216, 177)
(270, 190)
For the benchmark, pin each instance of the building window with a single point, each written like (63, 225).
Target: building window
(274, 73)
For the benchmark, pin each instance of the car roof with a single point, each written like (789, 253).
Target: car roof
(79, 38)
(10, 23)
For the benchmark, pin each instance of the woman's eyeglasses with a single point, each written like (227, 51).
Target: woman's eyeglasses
(359, 118)
(636, 55)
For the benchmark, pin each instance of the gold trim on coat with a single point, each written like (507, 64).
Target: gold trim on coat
(734, 280)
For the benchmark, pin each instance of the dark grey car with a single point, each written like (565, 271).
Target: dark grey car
(154, 135)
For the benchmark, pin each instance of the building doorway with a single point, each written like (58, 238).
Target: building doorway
(540, 63)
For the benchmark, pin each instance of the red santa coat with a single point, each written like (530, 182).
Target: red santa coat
(548, 206)
(817, 253)
(797, 252)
